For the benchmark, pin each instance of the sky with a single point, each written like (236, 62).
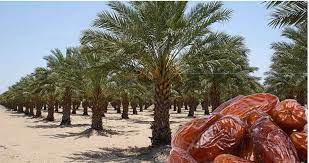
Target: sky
(29, 30)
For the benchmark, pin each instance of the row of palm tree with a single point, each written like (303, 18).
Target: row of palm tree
(139, 54)
(287, 77)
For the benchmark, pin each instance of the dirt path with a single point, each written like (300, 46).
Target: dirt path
(26, 139)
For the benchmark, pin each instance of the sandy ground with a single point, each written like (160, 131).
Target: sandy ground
(27, 139)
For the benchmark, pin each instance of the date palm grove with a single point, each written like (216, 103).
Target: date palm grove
(164, 54)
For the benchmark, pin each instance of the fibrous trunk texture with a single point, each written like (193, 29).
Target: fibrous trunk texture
(147, 104)
(31, 113)
(185, 103)
(125, 107)
(27, 110)
(20, 108)
(51, 109)
(175, 104)
(193, 102)
(38, 108)
(161, 132)
(204, 104)
(97, 109)
(15, 108)
(134, 105)
(56, 106)
(214, 95)
(75, 106)
(179, 104)
(118, 105)
(140, 104)
(105, 106)
(85, 105)
(66, 111)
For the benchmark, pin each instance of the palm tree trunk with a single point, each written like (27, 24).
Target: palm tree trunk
(56, 106)
(191, 111)
(161, 131)
(191, 106)
(31, 113)
(66, 112)
(74, 108)
(96, 123)
(178, 108)
(38, 108)
(20, 108)
(85, 110)
(204, 104)
(102, 107)
(140, 104)
(105, 105)
(169, 104)
(118, 108)
(51, 109)
(15, 107)
(27, 108)
(186, 103)
(147, 104)
(117, 105)
(97, 110)
(125, 107)
(134, 105)
(85, 106)
(175, 104)
(214, 95)
(179, 105)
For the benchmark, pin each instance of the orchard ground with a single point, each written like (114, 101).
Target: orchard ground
(27, 139)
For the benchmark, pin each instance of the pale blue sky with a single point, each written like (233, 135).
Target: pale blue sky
(29, 30)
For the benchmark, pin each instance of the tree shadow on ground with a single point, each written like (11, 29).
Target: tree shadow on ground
(131, 154)
(86, 133)
(139, 121)
(3, 147)
(17, 114)
(57, 126)
(41, 119)
(184, 117)
(112, 118)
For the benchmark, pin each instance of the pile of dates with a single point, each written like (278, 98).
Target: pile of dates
(255, 128)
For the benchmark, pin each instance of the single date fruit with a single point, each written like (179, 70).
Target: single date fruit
(190, 132)
(227, 103)
(299, 139)
(289, 115)
(271, 144)
(222, 137)
(261, 101)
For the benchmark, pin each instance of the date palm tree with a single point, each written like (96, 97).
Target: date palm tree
(96, 65)
(40, 76)
(287, 77)
(50, 91)
(156, 34)
(218, 65)
(68, 71)
(287, 13)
